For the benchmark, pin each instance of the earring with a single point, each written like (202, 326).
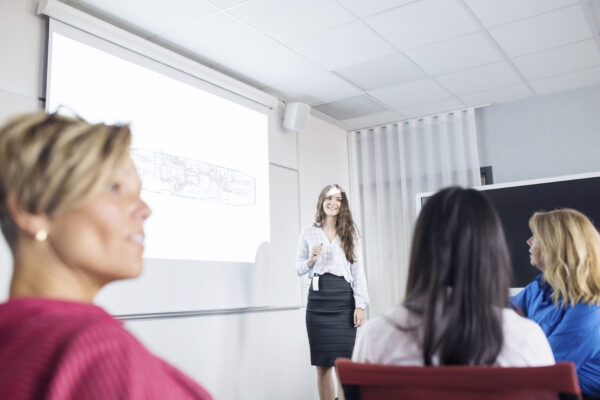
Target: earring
(41, 235)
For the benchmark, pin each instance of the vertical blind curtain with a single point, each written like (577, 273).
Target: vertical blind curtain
(389, 166)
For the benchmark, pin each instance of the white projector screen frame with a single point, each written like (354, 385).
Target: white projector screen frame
(184, 276)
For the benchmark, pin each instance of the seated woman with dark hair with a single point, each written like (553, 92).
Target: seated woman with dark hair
(565, 298)
(71, 213)
(455, 310)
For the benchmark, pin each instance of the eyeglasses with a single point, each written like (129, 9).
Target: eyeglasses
(52, 117)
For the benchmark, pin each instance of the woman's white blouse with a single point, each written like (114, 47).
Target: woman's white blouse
(380, 341)
(332, 260)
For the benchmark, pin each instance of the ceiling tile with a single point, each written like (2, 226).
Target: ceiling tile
(543, 32)
(283, 65)
(384, 71)
(364, 8)
(287, 20)
(342, 46)
(410, 93)
(478, 79)
(226, 3)
(558, 61)
(455, 54)
(353, 107)
(321, 87)
(568, 81)
(372, 120)
(496, 12)
(148, 16)
(217, 38)
(423, 22)
(435, 107)
(501, 95)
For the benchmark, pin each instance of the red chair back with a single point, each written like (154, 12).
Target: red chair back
(381, 382)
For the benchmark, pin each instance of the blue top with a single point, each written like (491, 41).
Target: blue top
(573, 331)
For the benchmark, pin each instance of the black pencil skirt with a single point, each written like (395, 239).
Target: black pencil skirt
(330, 320)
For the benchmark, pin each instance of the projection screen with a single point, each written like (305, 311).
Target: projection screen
(202, 155)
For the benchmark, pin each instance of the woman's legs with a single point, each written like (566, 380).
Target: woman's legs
(325, 383)
(341, 395)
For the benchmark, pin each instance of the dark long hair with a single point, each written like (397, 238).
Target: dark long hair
(458, 279)
(344, 224)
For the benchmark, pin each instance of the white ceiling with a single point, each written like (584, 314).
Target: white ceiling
(361, 63)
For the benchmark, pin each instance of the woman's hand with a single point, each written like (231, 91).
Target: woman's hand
(359, 317)
(314, 255)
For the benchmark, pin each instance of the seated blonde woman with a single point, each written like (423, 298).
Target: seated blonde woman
(71, 213)
(565, 298)
(455, 310)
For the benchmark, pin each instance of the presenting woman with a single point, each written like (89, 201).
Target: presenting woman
(329, 251)
(456, 307)
(565, 298)
(71, 213)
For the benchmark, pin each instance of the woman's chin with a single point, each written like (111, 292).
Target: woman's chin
(134, 270)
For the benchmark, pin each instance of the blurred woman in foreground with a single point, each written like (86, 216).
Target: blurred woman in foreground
(565, 298)
(71, 213)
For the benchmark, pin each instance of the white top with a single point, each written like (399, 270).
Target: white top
(380, 342)
(332, 260)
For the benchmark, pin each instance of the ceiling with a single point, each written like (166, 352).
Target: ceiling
(362, 63)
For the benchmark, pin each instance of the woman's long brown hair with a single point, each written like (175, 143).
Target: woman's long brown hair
(458, 278)
(344, 224)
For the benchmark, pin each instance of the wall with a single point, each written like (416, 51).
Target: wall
(538, 137)
(251, 356)
(326, 144)
(22, 75)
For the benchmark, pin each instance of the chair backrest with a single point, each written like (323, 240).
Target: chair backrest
(381, 382)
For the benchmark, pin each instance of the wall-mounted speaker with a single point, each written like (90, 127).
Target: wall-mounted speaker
(296, 117)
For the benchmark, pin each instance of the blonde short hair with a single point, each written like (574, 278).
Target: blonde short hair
(570, 249)
(51, 163)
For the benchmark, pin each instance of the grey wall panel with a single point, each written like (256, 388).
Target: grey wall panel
(539, 137)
